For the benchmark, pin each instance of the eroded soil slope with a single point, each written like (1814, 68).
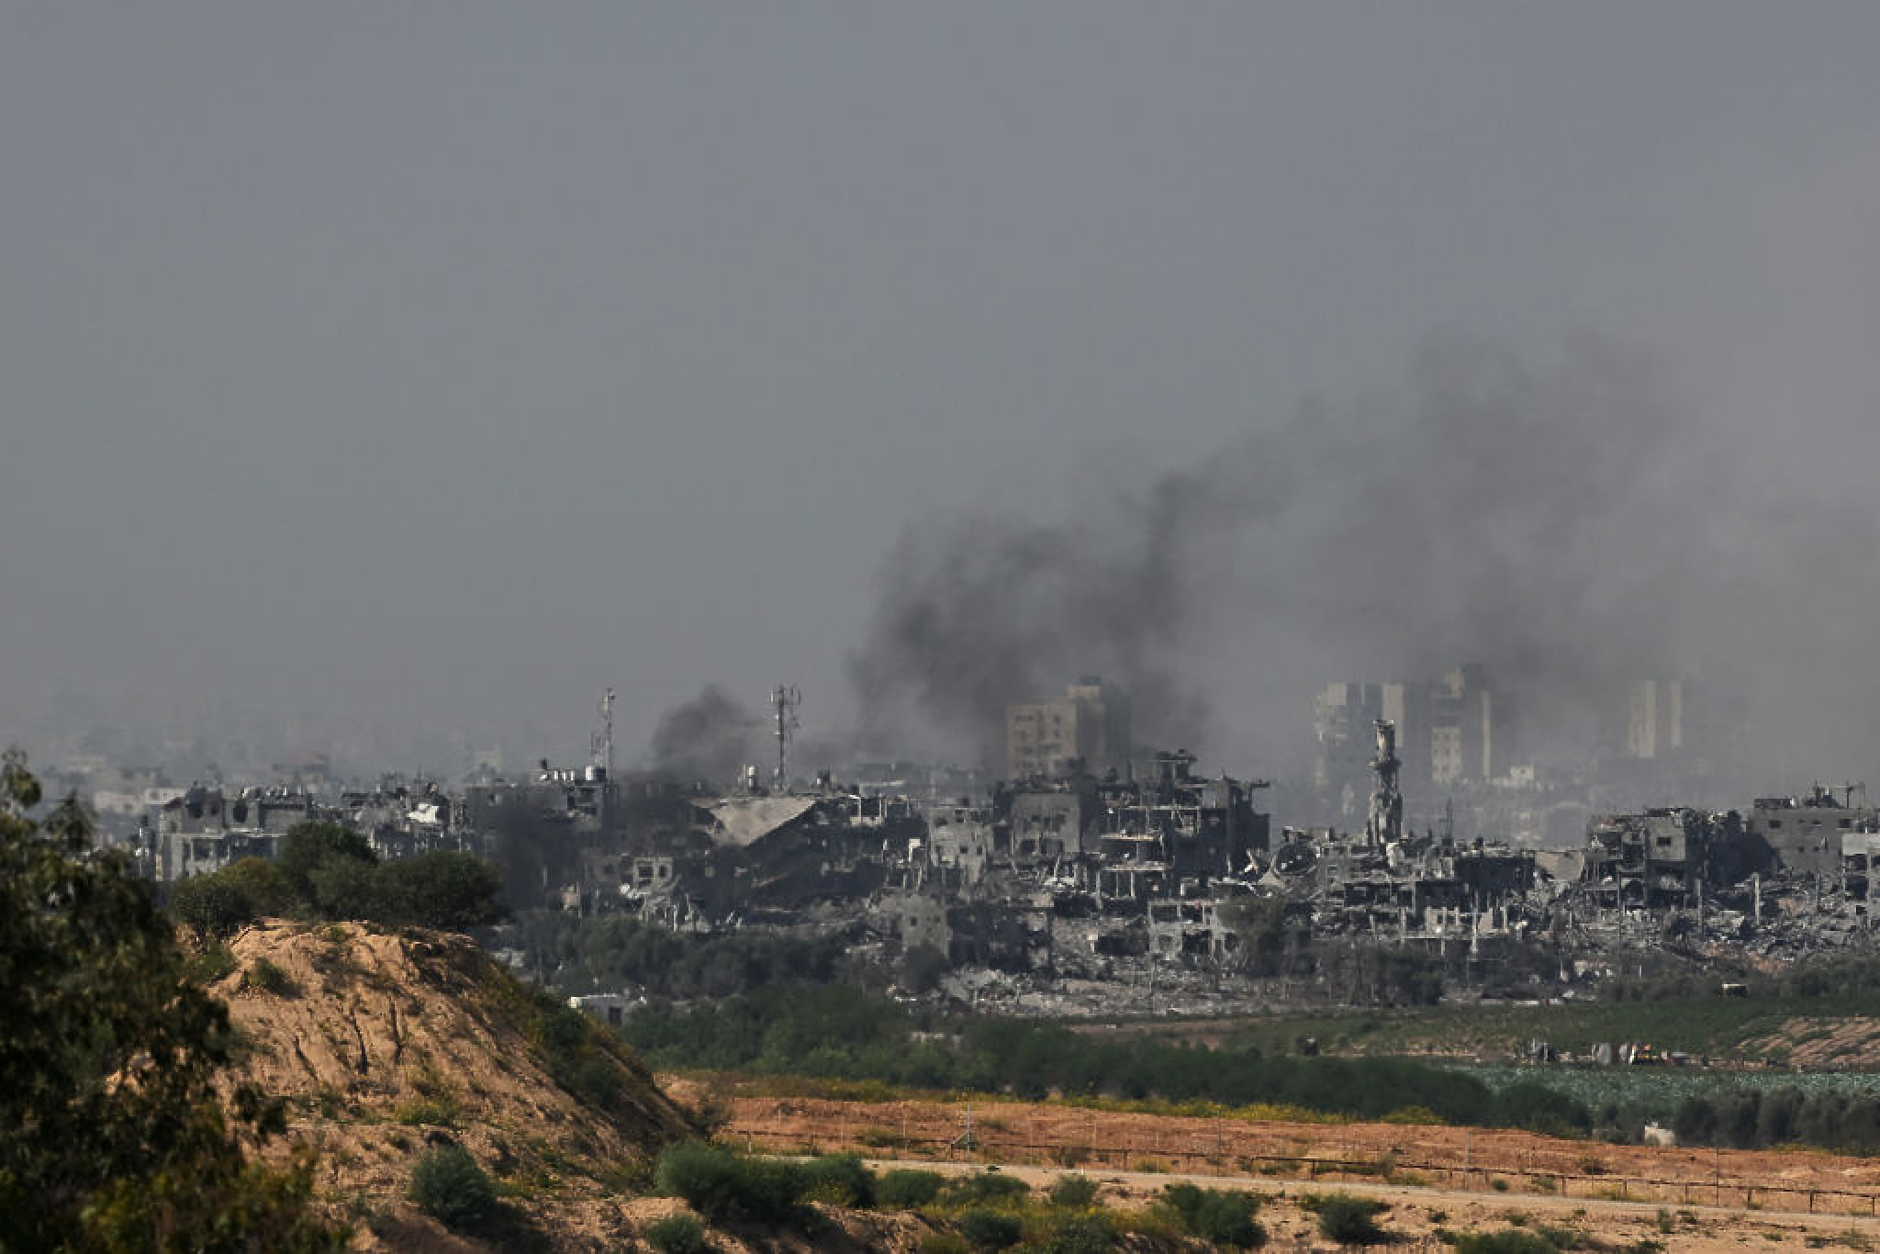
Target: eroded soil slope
(385, 1042)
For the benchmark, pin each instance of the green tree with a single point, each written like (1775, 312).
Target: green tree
(259, 880)
(211, 905)
(310, 846)
(114, 1136)
(447, 891)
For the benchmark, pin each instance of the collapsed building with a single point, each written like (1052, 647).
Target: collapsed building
(1087, 867)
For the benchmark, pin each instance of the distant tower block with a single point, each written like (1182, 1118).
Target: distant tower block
(785, 700)
(1386, 823)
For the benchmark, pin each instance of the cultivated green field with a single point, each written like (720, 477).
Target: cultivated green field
(1736, 1029)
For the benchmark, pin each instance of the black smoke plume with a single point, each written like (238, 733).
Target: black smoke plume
(1570, 527)
(709, 738)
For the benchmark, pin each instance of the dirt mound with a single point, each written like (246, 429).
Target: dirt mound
(385, 1042)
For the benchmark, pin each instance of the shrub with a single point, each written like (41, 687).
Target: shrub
(989, 1229)
(213, 962)
(1346, 1219)
(1218, 1217)
(448, 891)
(1080, 1234)
(263, 976)
(1540, 1109)
(262, 883)
(308, 846)
(678, 1234)
(721, 1185)
(211, 905)
(448, 1185)
(986, 1188)
(1507, 1241)
(1074, 1192)
(905, 1189)
(839, 1180)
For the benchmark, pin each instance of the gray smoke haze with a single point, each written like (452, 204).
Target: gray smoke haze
(1568, 525)
(709, 737)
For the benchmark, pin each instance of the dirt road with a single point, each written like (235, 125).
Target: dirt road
(1433, 1175)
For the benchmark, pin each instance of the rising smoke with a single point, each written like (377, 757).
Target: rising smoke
(710, 738)
(1568, 526)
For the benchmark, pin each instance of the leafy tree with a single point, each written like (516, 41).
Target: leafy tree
(261, 881)
(114, 1137)
(448, 891)
(211, 905)
(346, 888)
(309, 846)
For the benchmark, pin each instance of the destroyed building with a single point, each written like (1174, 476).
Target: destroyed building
(204, 829)
(1459, 727)
(1085, 729)
(1805, 834)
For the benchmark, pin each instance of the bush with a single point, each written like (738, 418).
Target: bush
(262, 883)
(1221, 1218)
(678, 1234)
(1080, 1234)
(839, 1180)
(986, 1188)
(448, 1185)
(309, 846)
(211, 906)
(1540, 1109)
(1074, 1192)
(1507, 1241)
(263, 976)
(721, 1185)
(905, 1189)
(443, 890)
(1346, 1219)
(211, 963)
(989, 1229)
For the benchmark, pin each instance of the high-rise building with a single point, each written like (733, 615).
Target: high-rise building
(1457, 728)
(1088, 725)
(1654, 718)
(1342, 717)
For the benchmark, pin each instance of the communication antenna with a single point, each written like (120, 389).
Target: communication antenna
(601, 744)
(784, 699)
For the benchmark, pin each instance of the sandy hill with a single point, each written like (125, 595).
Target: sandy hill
(386, 1041)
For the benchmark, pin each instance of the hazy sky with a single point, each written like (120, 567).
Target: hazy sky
(441, 363)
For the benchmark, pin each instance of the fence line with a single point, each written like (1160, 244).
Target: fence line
(1005, 1150)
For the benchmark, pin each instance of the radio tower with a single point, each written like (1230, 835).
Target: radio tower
(784, 699)
(601, 744)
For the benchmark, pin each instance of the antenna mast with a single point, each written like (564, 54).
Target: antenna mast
(601, 744)
(784, 699)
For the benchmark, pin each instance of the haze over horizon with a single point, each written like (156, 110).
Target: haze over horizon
(419, 367)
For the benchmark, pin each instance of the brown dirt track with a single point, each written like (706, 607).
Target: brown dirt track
(1686, 1198)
